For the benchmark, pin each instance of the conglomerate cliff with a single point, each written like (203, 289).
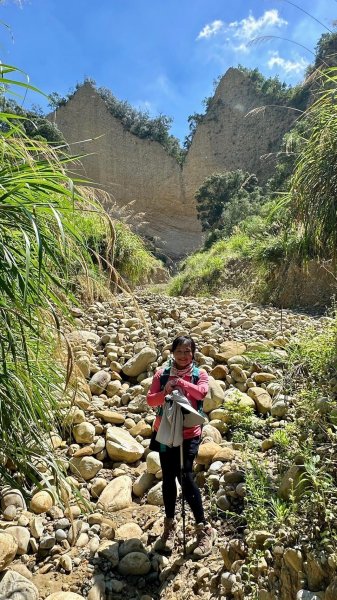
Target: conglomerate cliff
(232, 135)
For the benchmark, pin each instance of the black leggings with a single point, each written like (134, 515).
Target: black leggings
(170, 464)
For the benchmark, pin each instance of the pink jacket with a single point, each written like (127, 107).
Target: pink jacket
(193, 392)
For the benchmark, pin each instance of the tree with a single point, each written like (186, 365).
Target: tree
(218, 191)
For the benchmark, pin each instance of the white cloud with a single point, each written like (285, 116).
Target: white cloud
(287, 66)
(238, 34)
(211, 29)
(249, 28)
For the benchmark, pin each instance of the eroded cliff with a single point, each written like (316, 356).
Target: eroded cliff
(141, 171)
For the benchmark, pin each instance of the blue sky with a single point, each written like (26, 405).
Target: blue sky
(159, 55)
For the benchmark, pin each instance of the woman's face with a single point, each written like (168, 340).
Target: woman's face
(183, 355)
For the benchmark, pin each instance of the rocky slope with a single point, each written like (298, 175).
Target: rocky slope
(98, 544)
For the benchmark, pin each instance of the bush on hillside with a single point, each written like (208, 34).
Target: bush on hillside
(137, 122)
(224, 200)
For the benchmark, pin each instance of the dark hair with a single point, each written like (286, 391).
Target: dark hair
(183, 339)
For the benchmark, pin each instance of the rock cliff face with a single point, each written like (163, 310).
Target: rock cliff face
(233, 135)
(141, 171)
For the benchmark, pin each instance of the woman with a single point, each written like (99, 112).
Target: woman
(183, 374)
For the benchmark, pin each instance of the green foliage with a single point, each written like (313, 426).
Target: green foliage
(316, 351)
(221, 198)
(311, 200)
(205, 272)
(33, 124)
(276, 92)
(130, 256)
(41, 253)
(258, 494)
(325, 52)
(132, 259)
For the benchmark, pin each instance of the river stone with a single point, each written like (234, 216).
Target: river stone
(97, 487)
(74, 416)
(141, 428)
(8, 549)
(224, 454)
(110, 416)
(210, 432)
(146, 383)
(138, 405)
(139, 363)
(99, 381)
(155, 495)
(131, 545)
(114, 386)
(220, 414)
(14, 586)
(292, 482)
(84, 433)
(22, 536)
(261, 398)
(128, 531)
(263, 377)
(153, 462)
(121, 446)
(214, 397)
(84, 365)
(135, 563)
(64, 596)
(9, 514)
(142, 484)
(97, 592)
(229, 349)
(108, 549)
(36, 527)
(82, 336)
(86, 467)
(223, 503)
(279, 408)
(12, 497)
(294, 559)
(219, 372)
(116, 495)
(206, 452)
(41, 502)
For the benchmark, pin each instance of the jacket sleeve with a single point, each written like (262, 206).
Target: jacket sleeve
(198, 390)
(155, 396)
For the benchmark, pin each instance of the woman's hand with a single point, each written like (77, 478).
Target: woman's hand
(170, 386)
(173, 384)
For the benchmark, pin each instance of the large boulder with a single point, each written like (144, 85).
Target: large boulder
(84, 433)
(261, 398)
(229, 349)
(139, 363)
(22, 536)
(8, 548)
(116, 495)
(99, 381)
(121, 446)
(134, 563)
(41, 502)
(12, 497)
(16, 587)
(215, 395)
(206, 452)
(155, 495)
(86, 467)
